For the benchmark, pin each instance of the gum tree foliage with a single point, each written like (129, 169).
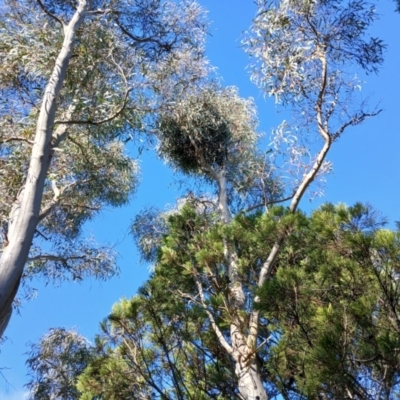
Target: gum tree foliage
(212, 134)
(305, 54)
(55, 363)
(78, 80)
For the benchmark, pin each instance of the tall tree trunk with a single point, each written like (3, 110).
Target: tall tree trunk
(250, 384)
(24, 216)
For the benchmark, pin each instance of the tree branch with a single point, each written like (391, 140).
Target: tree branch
(57, 196)
(268, 266)
(53, 257)
(49, 207)
(357, 119)
(62, 130)
(216, 330)
(17, 139)
(267, 204)
(141, 40)
(51, 15)
(102, 12)
(90, 122)
(318, 107)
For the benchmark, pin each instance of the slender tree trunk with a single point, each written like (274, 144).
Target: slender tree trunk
(24, 216)
(250, 383)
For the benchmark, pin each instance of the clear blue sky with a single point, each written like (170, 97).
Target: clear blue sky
(366, 168)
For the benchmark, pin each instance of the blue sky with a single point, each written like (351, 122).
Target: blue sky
(366, 168)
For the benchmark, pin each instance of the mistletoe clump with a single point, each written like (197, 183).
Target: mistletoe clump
(204, 130)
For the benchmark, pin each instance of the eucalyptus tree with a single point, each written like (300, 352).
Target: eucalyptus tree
(55, 363)
(78, 79)
(212, 135)
(303, 53)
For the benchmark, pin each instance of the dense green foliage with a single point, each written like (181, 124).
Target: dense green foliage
(333, 307)
(248, 300)
(329, 313)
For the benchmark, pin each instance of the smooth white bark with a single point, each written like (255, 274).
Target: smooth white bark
(24, 216)
(250, 383)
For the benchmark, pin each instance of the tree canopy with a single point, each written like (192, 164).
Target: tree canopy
(249, 297)
(329, 326)
(79, 80)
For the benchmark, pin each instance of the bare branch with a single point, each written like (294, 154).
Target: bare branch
(268, 203)
(51, 15)
(37, 232)
(309, 177)
(268, 266)
(357, 119)
(102, 12)
(90, 122)
(53, 257)
(318, 107)
(142, 40)
(214, 325)
(17, 139)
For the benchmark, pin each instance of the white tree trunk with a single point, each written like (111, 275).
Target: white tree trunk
(250, 384)
(24, 216)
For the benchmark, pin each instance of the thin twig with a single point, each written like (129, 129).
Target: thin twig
(267, 204)
(17, 139)
(53, 257)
